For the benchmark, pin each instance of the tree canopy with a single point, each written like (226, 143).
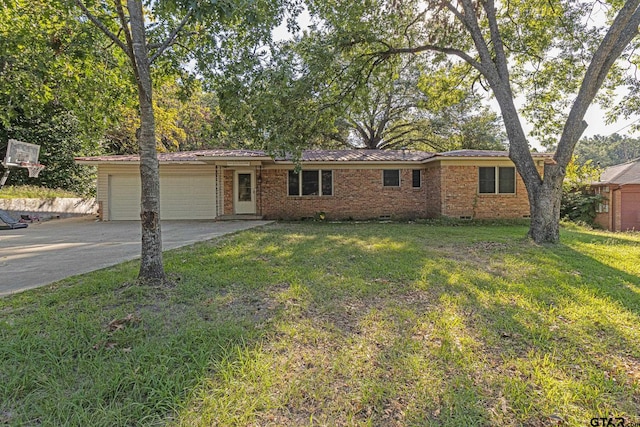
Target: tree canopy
(307, 92)
(608, 150)
(49, 56)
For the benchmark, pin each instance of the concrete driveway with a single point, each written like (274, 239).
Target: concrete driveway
(50, 251)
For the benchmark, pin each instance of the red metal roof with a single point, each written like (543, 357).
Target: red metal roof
(353, 155)
(307, 156)
(180, 156)
(358, 155)
(485, 153)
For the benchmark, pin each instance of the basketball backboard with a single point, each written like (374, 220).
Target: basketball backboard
(19, 152)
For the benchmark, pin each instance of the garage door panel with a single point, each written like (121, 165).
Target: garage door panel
(187, 197)
(181, 196)
(630, 211)
(124, 197)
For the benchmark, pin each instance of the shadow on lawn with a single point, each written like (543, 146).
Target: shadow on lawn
(459, 341)
(99, 350)
(557, 339)
(401, 325)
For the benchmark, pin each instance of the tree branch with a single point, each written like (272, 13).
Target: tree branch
(434, 48)
(172, 36)
(124, 25)
(496, 40)
(471, 23)
(101, 26)
(413, 22)
(622, 31)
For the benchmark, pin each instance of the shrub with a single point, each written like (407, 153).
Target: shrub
(579, 206)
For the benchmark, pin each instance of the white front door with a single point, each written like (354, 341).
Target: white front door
(244, 192)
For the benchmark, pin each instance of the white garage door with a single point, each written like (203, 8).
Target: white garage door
(181, 197)
(124, 197)
(187, 197)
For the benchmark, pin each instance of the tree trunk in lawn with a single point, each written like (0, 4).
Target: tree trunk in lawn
(151, 267)
(544, 201)
(544, 192)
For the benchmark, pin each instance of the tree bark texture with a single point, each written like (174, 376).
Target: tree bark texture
(151, 266)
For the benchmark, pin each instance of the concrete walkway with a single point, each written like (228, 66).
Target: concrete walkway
(50, 251)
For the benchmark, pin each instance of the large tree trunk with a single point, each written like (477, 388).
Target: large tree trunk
(544, 192)
(544, 201)
(151, 267)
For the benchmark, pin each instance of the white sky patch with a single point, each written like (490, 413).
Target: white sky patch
(596, 120)
(282, 33)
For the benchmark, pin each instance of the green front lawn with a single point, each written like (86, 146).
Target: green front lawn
(337, 324)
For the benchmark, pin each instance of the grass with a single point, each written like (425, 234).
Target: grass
(337, 325)
(33, 192)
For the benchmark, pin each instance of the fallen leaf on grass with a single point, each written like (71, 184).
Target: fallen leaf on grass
(5, 417)
(118, 324)
(107, 345)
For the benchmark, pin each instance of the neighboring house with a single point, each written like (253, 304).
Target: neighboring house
(341, 184)
(620, 187)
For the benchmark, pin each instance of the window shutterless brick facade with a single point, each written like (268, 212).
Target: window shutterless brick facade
(445, 190)
(344, 184)
(356, 194)
(461, 197)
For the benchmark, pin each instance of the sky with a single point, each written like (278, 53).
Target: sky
(596, 122)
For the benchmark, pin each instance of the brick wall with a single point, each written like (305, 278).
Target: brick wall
(460, 197)
(434, 191)
(228, 192)
(357, 194)
(602, 219)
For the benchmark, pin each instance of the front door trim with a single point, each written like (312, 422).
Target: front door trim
(244, 192)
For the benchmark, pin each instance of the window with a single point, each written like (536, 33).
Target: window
(507, 180)
(327, 183)
(603, 207)
(504, 177)
(311, 183)
(487, 180)
(391, 178)
(416, 178)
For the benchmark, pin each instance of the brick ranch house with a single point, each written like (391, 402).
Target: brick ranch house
(342, 184)
(619, 186)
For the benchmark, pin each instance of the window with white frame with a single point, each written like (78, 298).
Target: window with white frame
(311, 183)
(497, 180)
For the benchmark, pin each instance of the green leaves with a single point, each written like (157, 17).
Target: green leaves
(49, 57)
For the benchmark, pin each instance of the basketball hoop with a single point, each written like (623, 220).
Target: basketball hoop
(21, 155)
(33, 168)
